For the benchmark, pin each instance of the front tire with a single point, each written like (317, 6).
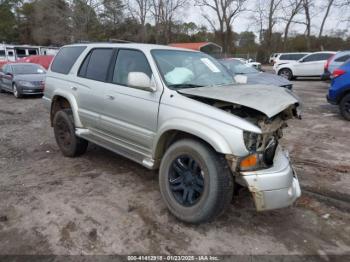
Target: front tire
(64, 129)
(195, 181)
(16, 92)
(345, 107)
(286, 73)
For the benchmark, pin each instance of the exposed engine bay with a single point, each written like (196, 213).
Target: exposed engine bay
(272, 128)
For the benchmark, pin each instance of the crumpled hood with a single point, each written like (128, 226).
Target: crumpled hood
(267, 79)
(266, 99)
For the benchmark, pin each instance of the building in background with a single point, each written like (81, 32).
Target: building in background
(206, 47)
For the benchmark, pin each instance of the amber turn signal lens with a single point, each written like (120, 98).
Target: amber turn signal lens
(249, 161)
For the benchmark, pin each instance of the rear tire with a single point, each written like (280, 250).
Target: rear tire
(64, 129)
(345, 107)
(286, 73)
(205, 173)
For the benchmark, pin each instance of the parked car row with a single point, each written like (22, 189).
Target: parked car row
(334, 66)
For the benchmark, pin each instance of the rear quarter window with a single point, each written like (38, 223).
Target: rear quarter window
(66, 58)
(343, 58)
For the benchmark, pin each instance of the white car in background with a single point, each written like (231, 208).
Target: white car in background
(311, 65)
(250, 62)
(285, 58)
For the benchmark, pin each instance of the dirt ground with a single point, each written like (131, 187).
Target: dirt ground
(102, 203)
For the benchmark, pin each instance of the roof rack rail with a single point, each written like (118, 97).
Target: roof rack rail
(119, 41)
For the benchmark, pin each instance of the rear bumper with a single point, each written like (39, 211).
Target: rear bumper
(275, 187)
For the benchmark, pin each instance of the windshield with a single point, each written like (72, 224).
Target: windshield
(28, 69)
(237, 67)
(183, 69)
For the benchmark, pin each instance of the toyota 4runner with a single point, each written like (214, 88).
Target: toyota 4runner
(178, 111)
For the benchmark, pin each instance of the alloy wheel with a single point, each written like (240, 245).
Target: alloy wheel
(186, 180)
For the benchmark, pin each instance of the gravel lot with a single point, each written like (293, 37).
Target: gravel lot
(102, 203)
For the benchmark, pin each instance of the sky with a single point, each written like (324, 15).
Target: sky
(245, 23)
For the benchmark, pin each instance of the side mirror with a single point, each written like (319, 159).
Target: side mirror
(301, 61)
(142, 81)
(9, 74)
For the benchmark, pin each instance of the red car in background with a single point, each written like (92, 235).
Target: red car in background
(43, 60)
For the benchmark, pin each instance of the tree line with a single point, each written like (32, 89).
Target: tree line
(58, 22)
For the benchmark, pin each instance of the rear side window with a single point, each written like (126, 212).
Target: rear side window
(66, 58)
(318, 57)
(297, 56)
(342, 58)
(130, 61)
(96, 64)
(284, 57)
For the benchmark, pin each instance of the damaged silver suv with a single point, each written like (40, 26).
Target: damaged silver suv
(178, 111)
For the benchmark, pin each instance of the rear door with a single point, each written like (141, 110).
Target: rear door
(91, 86)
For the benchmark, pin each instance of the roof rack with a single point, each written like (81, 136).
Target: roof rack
(118, 41)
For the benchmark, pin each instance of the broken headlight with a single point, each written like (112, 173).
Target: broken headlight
(262, 148)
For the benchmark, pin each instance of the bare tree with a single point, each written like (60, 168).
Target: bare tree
(328, 9)
(307, 5)
(139, 9)
(291, 8)
(273, 7)
(225, 11)
(164, 12)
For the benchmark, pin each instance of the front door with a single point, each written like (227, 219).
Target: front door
(130, 114)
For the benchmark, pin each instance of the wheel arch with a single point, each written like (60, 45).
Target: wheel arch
(279, 70)
(64, 101)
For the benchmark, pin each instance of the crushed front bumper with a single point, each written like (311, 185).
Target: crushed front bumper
(275, 187)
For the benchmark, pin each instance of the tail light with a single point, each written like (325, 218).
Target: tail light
(328, 62)
(338, 72)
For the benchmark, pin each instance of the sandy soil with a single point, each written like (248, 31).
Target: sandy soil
(102, 203)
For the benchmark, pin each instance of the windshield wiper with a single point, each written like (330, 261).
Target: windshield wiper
(181, 86)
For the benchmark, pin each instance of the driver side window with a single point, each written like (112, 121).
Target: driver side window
(130, 61)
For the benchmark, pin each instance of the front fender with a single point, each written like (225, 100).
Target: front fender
(228, 141)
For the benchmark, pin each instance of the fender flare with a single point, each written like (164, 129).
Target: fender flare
(73, 103)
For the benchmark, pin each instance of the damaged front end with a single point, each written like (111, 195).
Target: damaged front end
(266, 170)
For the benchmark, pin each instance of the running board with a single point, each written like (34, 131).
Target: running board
(87, 134)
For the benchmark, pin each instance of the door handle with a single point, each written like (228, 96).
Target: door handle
(110, 97)
(74, 88)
